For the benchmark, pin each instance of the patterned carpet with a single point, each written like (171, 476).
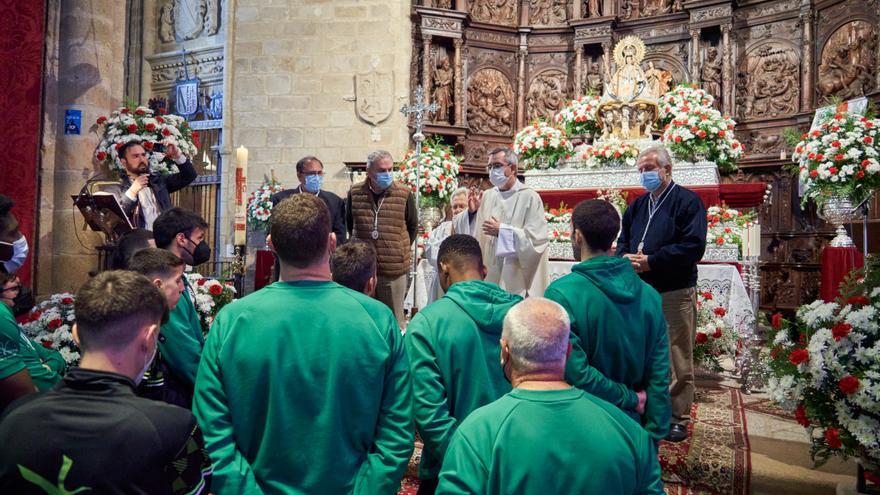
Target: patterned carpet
(713, 461)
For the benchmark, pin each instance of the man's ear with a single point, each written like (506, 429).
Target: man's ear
(370, 288)
(151, 335)
(180, 239)
(157, 282)
(483, 272)
(269, 243)
(331, 242)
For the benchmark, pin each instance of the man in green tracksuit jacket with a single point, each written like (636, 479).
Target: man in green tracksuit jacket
(453, 348)
(545, 436)
(617, 323)
(303, 387)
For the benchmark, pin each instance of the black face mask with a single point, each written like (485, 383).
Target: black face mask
(200, 254)
(23, 302)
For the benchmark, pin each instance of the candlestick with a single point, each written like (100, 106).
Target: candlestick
(745, 240)
(240, 229)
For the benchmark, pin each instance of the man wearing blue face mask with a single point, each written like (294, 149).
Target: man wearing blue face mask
(664, 237)
(13, 245)
(383, 212)
(310, 173)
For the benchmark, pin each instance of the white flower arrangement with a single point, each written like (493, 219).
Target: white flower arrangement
(439, 168)
(210, 297)
(259, 207)
(580, 116)
(124, 125)
(610, 153)
(541, 146)
(725, 225)
(683, 99)
(50, 324)
(715, 339)
(705, 133)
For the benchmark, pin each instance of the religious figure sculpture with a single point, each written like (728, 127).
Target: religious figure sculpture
(548, 12)
(592, 8)
(490, 103)
(443, 4)
(443, 89)
(655, 7)
(628, 107)
(846, 61)
(626, 9)
(769, 83)
(593, 79)
(629, 81)
(497, 11)
(711, 73)
(659, 80)
(546, 94)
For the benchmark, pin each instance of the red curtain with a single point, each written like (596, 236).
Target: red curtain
(21, 65)
(836, 265)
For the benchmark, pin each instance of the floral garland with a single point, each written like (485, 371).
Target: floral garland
(579, 117)
(610, 153)
(704, 133)
(50, 324)
(558, 215)
(123, 126)
(541, 146)
(259, 207)
(840, 158)
(210, 297)
(715, 339)
(682, 99)
(725, 225)
(616, 197)
(439, 167)
(826, 369)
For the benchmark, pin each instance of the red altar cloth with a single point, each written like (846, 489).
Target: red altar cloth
(836, 264)
(733, 195)
(263, 268)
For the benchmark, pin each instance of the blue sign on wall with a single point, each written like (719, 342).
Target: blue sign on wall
(72, 121)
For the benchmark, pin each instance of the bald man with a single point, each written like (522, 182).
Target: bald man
(546, 436)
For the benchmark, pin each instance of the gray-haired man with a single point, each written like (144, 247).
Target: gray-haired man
(383, 212)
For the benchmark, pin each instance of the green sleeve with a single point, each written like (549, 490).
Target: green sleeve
(658, 408)
(464, 472)
(183, 344)
(579, 373)
(190, 470)
(392, 447)
(649, 482)
(10, 357)
(232, 471)
(430, 407)
(52, 359)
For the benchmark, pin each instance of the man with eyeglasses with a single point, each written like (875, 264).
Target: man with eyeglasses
(25, 366)
(310, 174)
(509, 222)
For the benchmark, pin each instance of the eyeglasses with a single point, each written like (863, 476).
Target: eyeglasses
(492, 166)
(318, 173)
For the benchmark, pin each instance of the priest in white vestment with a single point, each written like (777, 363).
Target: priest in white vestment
(458, 202)
(509, 222)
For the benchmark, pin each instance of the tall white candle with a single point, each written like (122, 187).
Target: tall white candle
(755, 249)
(745, 240)
(240, 228)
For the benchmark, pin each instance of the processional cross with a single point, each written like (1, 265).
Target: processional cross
(418, 109)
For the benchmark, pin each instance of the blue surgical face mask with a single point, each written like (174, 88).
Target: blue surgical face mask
(497, 177)
(19, 254)
(313, 183)
(384, 180)
(650, 180)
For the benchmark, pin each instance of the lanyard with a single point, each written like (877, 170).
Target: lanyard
(376, 208)
(653, 207)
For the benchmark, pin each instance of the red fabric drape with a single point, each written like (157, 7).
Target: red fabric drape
(21, 65)
(263, 268)
(836, 264)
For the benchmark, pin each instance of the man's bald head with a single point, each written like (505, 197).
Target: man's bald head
(536, 332)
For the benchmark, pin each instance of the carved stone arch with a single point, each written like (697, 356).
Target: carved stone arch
(490, 101)
(768, 79)
(547, 92)
(848, 58)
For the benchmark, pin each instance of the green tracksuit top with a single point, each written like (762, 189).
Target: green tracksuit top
(617, 331)
(304, 388)
(182, 339)
(454, 354)
(18, 352)
(532, 442)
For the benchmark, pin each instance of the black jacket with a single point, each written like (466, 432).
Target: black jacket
(162, 185)
(334, 203)
(675, 241)
(92, 431)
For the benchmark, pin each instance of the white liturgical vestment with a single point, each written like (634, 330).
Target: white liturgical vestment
(517, 258)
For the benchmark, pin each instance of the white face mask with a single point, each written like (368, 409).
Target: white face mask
(147, 364)
(497, 177)
(19, 254)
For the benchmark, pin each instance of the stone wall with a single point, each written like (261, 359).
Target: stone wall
(85, 47)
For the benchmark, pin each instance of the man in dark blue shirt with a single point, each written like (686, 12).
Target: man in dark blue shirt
(664, 236)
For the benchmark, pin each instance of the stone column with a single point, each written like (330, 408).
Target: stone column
(521, 87)
(576, 9)
(459, 83)
(807, 64)
(877, 63)
(695, 54)
(726, 70)
(426, 67)
(578, 69)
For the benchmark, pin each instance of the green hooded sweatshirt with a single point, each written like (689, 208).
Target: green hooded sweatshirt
(454, 352)
(617, 331)
(18, 352)
(304, 388)
(182, 339)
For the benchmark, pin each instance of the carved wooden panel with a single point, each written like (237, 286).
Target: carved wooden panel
(768, 81)
(547, 94)
(502, 12)
(848, 61)
(490, 103)
(549, 12)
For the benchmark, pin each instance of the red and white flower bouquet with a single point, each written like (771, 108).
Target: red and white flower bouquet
(50, 324)
(541, 146)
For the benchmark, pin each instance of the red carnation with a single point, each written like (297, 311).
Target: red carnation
(55, 323)
(124, 110)
(719, 311)
(798, 356)
(201, 282)
(814, 173)
(838, 157)
(118, 145)
(832, 170)
(717, 334)
(677, 139)
(148, 145)
(800, 414)
(864, 301)
(101, 156)
(776, 321)
(816, 133)
(102, 119)
(150, 127)
(720, 242)
(707, 296)
(47, 344)
(166, 132)
(215, 290)
(160, 120)
(132, 127)
(694, 129)
(869, 140)
(67, 300)
(721, 133)
(840, 330)
(36, 315)
(865, 163)
(860, 174)
(702, 338)
(139, 112)
(848, 385)
(832, 438)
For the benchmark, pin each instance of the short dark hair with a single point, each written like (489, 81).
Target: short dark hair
(598, 223)
(154, 262)
(174, 221)
(509, 155)
(5, 277)
(8, 222)
(299, 227)
(460, 250)
(353, 263)
(127, 145)
(130, 243)
(111, 306)
(301, 164)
